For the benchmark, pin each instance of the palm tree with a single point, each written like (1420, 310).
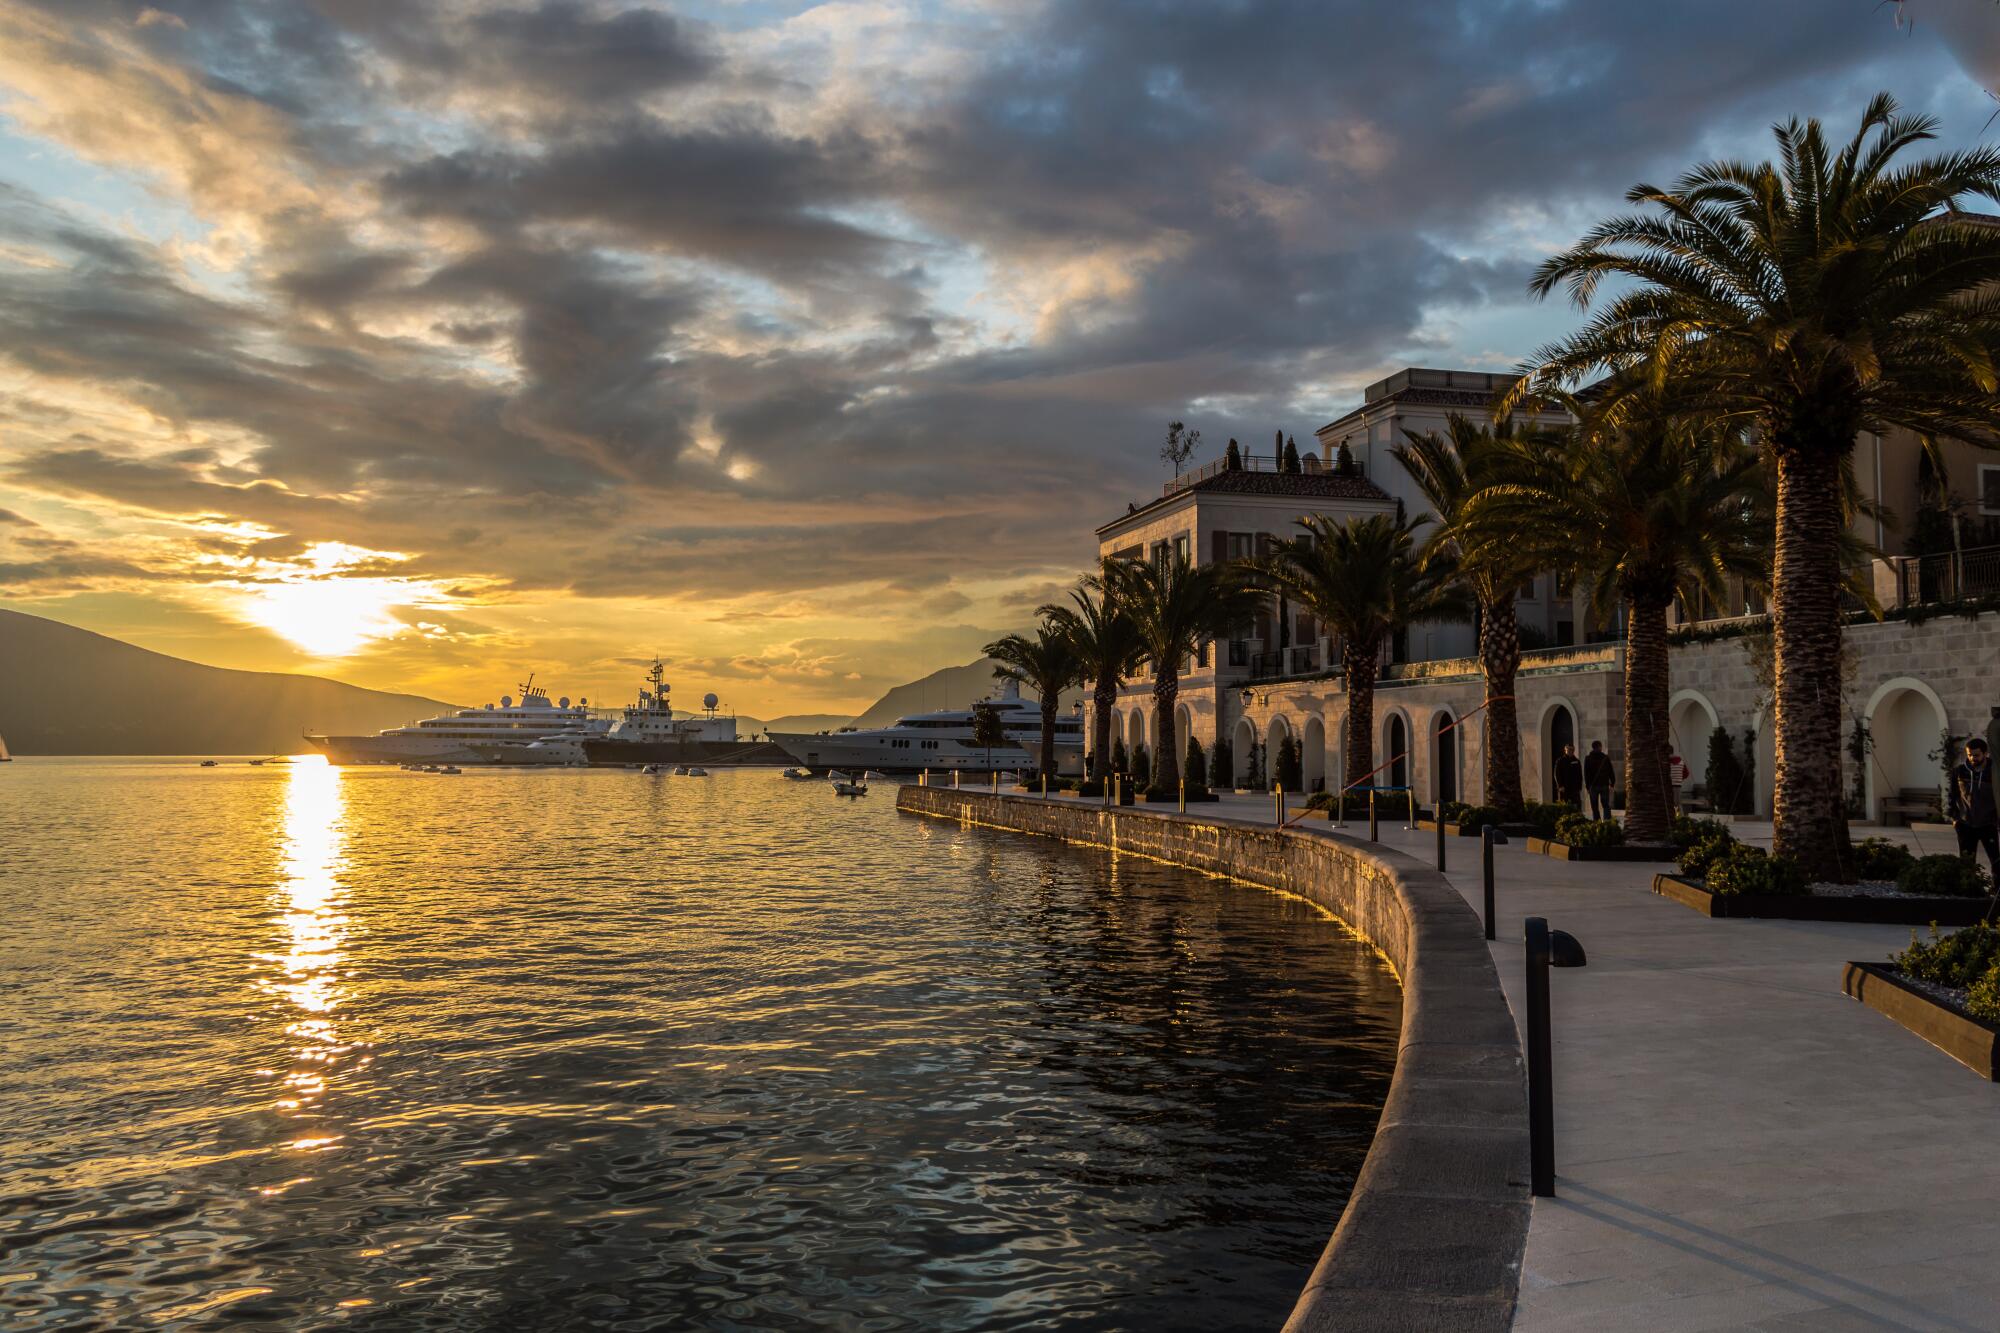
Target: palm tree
(1645, 506)
(1106, 644)
(1046, 664)
(1364, 579)
(1176, 607)
(1814, 298)
(1451, 470)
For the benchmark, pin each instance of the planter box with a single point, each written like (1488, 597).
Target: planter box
(1974, 1044)
(1456, 830)
(1880, 911)
(1562, 851)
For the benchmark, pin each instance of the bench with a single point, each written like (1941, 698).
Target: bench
(1908, 805)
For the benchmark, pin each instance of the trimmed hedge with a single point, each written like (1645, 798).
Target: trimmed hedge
(1752, 870)
(1577, 831)
(1879, 858)
(1942, 876)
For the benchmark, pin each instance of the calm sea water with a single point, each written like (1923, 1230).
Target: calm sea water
(301, 1047)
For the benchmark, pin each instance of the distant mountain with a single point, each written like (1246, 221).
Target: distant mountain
(953, 687)
(69, 691)
(749, 726)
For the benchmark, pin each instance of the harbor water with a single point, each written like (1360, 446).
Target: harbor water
(303, 1047)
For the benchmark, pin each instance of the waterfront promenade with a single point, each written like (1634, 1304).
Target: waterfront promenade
(1739, 1145)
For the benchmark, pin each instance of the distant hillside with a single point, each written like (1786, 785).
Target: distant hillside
(953, 687)
(69, 691)
(749, 726)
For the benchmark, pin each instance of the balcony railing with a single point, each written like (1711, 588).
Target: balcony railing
(1302, 660)
(1251, 463)
(1910, 580)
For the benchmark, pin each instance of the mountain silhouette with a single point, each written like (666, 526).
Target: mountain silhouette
(70, 691)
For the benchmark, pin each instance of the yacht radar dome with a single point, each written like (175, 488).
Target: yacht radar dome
(563, 702)
(506, 701)
(709, 701)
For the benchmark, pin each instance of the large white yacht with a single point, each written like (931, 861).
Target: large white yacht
(650, 732)
(942, 741)
(459, 738)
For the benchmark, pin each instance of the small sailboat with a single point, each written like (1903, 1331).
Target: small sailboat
(4, 756)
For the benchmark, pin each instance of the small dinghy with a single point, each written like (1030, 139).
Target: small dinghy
(798, 775)
(695, 771)
(846, 786)
(654, 768)
(208, 763)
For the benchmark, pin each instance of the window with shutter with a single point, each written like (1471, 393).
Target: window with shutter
(1989, 490)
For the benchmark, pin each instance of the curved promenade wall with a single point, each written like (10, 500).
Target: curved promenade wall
(1433, 1232)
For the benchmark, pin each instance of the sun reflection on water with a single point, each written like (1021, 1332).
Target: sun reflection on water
(310, 896)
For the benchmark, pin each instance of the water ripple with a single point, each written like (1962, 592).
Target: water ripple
(311, 1048)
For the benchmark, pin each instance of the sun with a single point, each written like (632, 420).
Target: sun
(328, 617)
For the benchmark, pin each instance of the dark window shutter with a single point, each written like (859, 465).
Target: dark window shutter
(1219, 543)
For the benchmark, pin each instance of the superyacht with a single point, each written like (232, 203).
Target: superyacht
(650, 732)
(942, 742)
(460, 737)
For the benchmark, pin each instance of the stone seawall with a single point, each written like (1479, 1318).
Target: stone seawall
(1433, 1233)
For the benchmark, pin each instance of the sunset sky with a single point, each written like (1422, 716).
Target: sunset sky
(425, 344)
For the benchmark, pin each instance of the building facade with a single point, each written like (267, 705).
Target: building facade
(1914, 683)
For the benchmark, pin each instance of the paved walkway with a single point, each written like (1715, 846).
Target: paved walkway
(1739, 1145)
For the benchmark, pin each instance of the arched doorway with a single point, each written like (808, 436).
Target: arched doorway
(1558, 730)
(1183, 733)
(1907, 728)
(1135, 731)
(1395, 752)
(1312, 762)
(1244, 750)
(1275, 735)
(1444, 754)
(1691, 720)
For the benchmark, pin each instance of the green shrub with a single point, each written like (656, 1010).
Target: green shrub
(1879, 858)
(1752, 870)
(1957, 959)
(1580, 831)
(1982, 998)
(1942, 876)
(1090, 787)
(1475, 817)
(1687, 830)
(1712, 843)
(1542, 815)
(1356, 806)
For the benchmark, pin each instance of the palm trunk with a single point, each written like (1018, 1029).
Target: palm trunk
(1049, 734)
(1358, 662)
(1500, 658)
(1104, 697)
(1805, 622)
(1648, 808)
(1166, 758)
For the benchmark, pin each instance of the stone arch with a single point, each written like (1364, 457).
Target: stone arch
(1183, 732)
(1275, 732)
(1312, 762)
(1397, 753)
(1559, 726)
(1906, 720)
(1135, 730)
(1243, 747)
(1446, 752)
(1691, 720)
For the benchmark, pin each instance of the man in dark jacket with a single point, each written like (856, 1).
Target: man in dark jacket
(1975, 808)
(1569, 777)
(1598, 777)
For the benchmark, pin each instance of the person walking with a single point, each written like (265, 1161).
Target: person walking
(1569, 778)
(1598, 777)
(1975, 808)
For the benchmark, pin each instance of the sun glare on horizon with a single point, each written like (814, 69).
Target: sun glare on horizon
(324, 606)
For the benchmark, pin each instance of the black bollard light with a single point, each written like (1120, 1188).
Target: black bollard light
(1486, 855)
(1439, 821)
(1546, 949)
(1374, 830)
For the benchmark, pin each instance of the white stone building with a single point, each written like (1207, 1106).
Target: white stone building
(1914, 680)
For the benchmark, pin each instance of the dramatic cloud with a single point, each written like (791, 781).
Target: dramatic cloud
(805, 343)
